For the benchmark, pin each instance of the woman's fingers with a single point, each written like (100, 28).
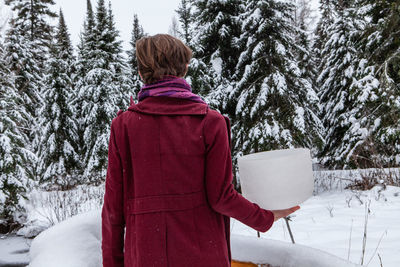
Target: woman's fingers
(283, 213)
(293, 209)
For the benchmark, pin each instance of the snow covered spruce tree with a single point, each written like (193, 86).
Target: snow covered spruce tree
(348, 89)
(58, 159)
(304, 51)
(19, 55)
(337, 70)
(137, 33)
(185, 19)
(118, 65)
(200, 74)
(217, 27)
(32, 21)
(15, 154)
(26, 48)
(321, 35)
(102, 86)
(87, 45)
(381, 46)
(215, 48)
(275, 106)
(85, 60)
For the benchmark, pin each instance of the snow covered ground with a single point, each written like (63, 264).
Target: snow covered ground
(76, 242)
(332, 220)
(14, 251)
(282, 254)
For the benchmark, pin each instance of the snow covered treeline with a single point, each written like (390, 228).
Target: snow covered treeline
(334, 90)
(57, 101)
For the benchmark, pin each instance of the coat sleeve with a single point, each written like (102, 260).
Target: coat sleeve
(112, 215)
(221, 194)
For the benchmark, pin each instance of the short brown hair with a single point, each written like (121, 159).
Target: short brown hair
(161, 54)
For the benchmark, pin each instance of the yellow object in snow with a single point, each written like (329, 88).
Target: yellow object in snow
(242, 264)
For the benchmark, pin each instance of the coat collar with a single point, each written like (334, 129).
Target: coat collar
(164, 105)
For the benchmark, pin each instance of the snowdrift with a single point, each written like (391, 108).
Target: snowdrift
(77, 242)
(282, 254)
(70, 243)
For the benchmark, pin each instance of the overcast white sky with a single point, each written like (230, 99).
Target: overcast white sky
(154, 15)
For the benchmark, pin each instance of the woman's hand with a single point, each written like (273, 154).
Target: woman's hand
(283, 213)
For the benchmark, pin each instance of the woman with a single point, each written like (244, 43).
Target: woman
(169, 176)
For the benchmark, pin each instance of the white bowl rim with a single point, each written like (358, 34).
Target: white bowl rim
(273, 154)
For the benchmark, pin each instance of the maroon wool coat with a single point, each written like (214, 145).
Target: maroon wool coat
(169, 182)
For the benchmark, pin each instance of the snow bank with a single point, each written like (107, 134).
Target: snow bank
(14, 250)
(73, 242)
(77, 242)
(282, 254)
(334, 222)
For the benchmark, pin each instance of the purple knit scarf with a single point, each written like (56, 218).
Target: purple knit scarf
(170, 86)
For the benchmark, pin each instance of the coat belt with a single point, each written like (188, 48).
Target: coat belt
(169, 202)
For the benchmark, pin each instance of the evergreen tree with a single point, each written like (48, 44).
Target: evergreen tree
(87, 45)
(275, 106)
(204, 73)
(348, 89)
(184, 12)
(381, 46)
(217, 29)
(83, 64)
(26, 47)
(201, 75)
(321, 35)
(137, 33)
(303, 50)
(32, 22)
(118, 64)
(101, 74)
(58, 159)
(205, 82)
(15, 154)
(63, 46)
(22, 62)
(28, 81)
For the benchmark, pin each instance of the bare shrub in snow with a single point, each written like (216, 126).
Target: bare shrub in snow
(330, 209)
(372, 177)
(56, 206)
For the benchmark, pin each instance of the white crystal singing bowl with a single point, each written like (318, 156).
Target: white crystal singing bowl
(277, 179)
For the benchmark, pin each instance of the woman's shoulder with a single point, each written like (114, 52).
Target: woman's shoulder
(216, 122)
(118, 118)
(216, 116)
(217, 125)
